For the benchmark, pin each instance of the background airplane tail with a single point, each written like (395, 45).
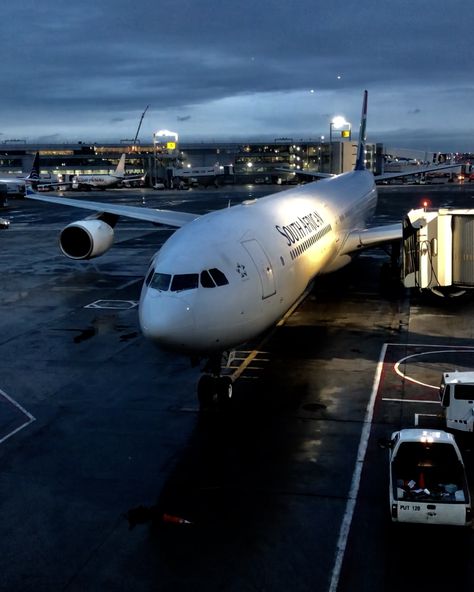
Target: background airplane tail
(34, 175)
(360, 162)
(120, 170)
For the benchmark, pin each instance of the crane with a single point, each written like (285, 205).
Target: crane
(140, 125)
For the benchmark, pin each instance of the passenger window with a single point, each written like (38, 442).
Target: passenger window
(206, 280)
(184, 281)
(218, 277)
(161, 281)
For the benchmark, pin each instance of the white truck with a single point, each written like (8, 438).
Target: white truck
(428, 482)
(456, 394)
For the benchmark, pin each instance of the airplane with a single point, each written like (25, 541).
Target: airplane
(104, 181)
(17, 185)
(225, 277)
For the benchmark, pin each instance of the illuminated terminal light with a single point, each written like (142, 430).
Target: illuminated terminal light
(167, 138)
(339, 121)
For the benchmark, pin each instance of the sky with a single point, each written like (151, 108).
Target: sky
(246, 69)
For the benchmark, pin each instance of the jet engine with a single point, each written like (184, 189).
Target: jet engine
(86, 239)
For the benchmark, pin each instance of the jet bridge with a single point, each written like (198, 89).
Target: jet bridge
(438, 250)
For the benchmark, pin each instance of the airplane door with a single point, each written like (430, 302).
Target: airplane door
(263, 265)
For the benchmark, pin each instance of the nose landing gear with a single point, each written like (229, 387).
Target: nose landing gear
(212, 387)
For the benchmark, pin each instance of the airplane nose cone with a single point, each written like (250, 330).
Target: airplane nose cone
(166, 318)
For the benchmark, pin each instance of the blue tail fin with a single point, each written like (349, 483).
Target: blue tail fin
(35, 172)
(360, 162)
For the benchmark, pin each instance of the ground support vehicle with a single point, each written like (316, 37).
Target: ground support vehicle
(456, 393)
(428, 483)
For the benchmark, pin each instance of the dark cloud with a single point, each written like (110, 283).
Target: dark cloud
(89, 68)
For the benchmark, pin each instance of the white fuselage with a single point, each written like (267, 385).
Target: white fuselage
(96, 180)
(268, 251)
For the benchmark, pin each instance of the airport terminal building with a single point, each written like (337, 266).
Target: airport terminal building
(165, 161)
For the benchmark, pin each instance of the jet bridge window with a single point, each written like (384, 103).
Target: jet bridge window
(184, 281)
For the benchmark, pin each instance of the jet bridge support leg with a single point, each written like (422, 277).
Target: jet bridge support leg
(390, 273)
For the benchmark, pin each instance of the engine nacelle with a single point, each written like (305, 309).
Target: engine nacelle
(86, 239)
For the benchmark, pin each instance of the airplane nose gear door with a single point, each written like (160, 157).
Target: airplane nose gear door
(263, 265)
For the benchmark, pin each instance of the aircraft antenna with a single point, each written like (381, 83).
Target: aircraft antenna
(140, 125)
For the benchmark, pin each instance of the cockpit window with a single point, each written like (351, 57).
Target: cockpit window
(184, 281)
(149, 275)
(160, 281)
(218, 277)
(206, 280)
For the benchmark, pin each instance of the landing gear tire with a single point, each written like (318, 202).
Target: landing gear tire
(206, 390)
(213, 388)
(224, 390)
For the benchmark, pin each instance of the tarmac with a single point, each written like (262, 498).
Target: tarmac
(111, 478)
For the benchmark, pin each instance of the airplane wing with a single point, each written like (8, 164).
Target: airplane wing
(384, 177)
(431, 169)
(168, 217)
(371, 237)
(133, 177)
(311, 174)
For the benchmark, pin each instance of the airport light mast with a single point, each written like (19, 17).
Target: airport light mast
(339, 122)
(165, 148)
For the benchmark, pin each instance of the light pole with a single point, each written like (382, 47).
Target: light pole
(321, 140)
(338, 122)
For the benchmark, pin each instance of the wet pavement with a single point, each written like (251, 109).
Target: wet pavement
(111, 479)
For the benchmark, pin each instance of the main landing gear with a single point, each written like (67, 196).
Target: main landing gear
(212, 387)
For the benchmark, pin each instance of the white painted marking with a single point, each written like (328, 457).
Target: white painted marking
(355, 483)
(252, 368)
(113, 304)
(253, 354)
(244, 365)
(31, 419)
(428, 353)
(409, 401)
(462, 348)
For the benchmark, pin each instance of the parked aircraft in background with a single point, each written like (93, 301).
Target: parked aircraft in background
(16, 185)
(225, 277)
(105, 181)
